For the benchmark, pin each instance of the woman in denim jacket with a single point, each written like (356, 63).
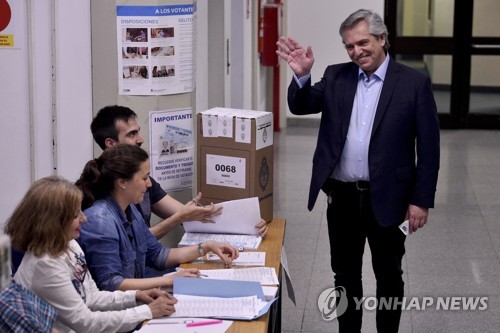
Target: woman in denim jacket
(116, 241)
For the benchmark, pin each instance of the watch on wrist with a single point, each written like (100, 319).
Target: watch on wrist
(200, 249)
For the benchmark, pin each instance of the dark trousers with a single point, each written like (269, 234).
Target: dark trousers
(350, 223)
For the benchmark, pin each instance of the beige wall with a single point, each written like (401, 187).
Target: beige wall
(486, 69)
(316, 23)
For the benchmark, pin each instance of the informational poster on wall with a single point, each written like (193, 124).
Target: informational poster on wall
(155, 49)
(10, 38)
(171, 147)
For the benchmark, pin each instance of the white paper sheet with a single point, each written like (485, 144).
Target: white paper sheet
(195, 306)
(405, 227)
(263, 275)
(238, 217)
(288, 278)
(270, 292)
(242, 242)
(245, 259)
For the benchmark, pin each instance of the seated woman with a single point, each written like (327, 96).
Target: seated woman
(116, 241)
(45, 225)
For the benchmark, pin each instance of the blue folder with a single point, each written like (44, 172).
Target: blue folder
(220, 288)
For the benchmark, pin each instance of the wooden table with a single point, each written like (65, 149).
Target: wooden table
(272, 245)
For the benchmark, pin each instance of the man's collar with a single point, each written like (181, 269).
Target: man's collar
(380, 72)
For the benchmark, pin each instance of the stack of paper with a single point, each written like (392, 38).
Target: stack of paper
(262, 275)
(270, 292)
(244, 259)
(236, 225)
(242, 242)
(266, 276)
(241, 300)
(233, 307)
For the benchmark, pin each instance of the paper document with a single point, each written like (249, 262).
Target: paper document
(288, 278)
(238, 217)
(405, 227)
(270, 292)
(245, 259)
(250, 296)
(242, 242)
(263, 275)
(234, 307)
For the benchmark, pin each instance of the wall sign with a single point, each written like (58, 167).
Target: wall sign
(226, 171)
(155, 49)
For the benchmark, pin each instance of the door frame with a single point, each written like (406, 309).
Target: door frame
(461, 47)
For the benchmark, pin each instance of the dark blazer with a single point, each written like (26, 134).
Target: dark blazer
(403, 154)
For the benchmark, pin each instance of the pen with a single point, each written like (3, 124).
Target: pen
(203, 323)
(197, 203)
(178, 269)
(171, 322)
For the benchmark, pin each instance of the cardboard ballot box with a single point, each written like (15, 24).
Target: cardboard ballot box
(235, 156)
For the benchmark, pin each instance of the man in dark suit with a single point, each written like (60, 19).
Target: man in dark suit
(377, 158)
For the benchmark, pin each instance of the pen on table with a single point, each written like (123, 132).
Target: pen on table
(178, 269)
(171, 322)
(203, 323)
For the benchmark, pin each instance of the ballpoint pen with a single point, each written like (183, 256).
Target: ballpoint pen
(203, 323)
(171, 322)
(197, 203)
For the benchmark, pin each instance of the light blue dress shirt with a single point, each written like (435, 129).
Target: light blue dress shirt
(353, 164)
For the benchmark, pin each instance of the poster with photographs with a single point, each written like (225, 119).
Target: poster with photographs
(155, 49)
(171, 148)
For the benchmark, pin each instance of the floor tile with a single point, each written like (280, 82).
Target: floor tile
(455, 255)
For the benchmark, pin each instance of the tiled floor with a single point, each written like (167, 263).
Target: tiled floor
(456, 254)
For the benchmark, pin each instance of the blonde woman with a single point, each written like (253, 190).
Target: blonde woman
(45, 225)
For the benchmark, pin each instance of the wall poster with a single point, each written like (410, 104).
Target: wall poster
(155, 49)
(10, 38)
(171, 147)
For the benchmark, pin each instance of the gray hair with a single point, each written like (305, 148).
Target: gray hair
(375, 23)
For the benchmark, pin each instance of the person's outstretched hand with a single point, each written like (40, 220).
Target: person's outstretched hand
(194, 211)
(299, 59)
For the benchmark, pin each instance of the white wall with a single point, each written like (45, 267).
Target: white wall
(46, 96)
(316, 23)
(15, 127)
(46, 86)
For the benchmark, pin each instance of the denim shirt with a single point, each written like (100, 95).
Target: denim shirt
(111, 256)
